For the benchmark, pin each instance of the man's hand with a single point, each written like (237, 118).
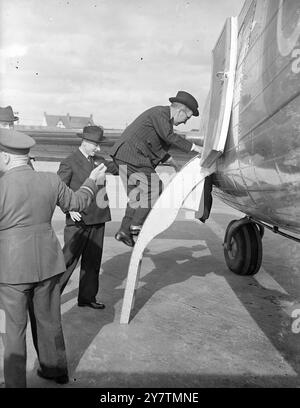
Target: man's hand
(196, 148)
(98, 174)
(75, 216)
(171, 162)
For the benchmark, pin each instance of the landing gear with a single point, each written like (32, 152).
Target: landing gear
(243, 247)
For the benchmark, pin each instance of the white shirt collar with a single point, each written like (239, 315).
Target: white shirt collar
(85, 155)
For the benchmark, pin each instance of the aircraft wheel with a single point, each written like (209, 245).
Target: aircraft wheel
(243, 254)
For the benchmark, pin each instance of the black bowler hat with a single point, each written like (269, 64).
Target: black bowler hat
(7, 115)
(186, 99)
(15, 142)
(92, 133)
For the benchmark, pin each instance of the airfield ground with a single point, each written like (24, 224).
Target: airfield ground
(194, 324)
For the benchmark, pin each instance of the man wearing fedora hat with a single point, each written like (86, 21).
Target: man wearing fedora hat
(7, 119)
(84, 232)
(143, 145)
(31, 258)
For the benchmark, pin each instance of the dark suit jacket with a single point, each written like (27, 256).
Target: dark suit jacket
(29, 249)
(73, 171)
(146, 141)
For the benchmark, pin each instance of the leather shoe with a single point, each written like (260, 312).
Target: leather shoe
(93, 305)
(135, 229)
(125, 238)
(59, 379)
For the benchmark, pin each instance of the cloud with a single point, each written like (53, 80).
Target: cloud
(10, 55)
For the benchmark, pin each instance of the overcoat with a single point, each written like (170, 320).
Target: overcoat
(29, 249)
(146, 141)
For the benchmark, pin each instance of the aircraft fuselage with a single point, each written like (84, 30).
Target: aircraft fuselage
(259, 172)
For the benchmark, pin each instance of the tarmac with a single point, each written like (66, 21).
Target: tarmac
(194, 324)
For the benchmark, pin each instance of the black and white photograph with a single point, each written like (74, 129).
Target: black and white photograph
(149, 197)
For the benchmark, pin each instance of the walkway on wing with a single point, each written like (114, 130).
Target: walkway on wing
(194, 324)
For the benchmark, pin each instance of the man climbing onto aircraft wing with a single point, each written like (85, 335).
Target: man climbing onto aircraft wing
(7, 119)
(143, 145)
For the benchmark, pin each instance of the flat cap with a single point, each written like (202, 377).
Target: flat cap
(15, 142)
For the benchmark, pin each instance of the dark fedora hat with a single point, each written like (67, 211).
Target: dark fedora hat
(7, 115)
(92, 133)
(186, 99)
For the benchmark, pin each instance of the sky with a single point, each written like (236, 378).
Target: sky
(109, 58)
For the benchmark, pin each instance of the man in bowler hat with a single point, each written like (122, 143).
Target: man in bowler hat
(84, 231)
(143, 145)
(31, 258)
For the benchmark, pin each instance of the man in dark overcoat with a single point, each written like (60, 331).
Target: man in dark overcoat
(84, 231)
(31, 258)
(143, 145)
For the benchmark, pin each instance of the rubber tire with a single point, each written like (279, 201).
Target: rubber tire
(246, 257)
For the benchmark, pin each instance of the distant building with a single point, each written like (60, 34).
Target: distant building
(68, 122)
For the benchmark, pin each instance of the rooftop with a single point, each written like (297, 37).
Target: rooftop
(68, 122)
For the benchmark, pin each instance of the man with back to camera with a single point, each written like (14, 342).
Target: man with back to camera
(31, 258)
(84, 232)
(143, 145)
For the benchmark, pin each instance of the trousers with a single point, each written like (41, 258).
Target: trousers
(85, 241)
(42, 301)
(143, 187)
